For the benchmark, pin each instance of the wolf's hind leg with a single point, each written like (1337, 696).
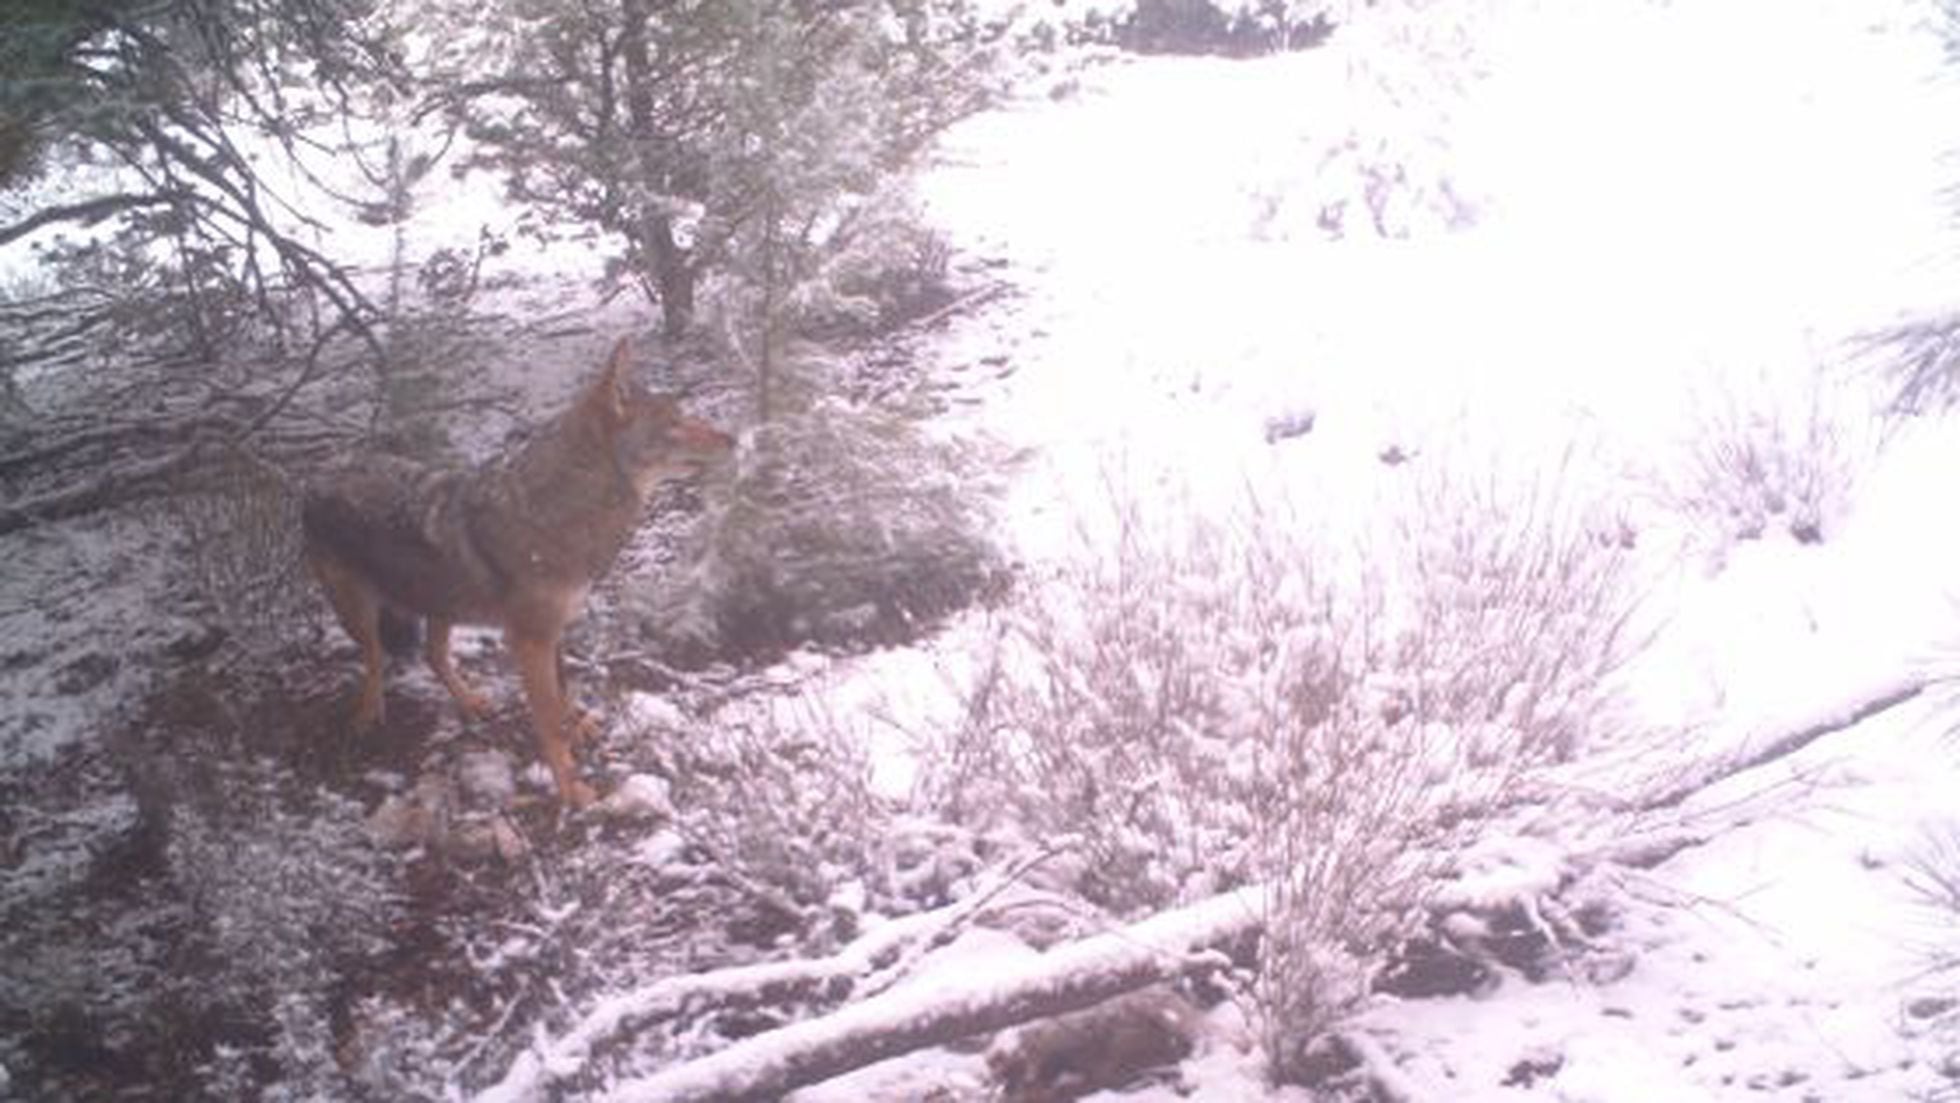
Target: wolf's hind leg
(358, 608)
(436, 651)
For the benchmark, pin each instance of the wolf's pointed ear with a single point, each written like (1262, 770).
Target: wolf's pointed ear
(615, 383)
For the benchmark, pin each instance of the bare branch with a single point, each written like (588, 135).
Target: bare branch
(87, 213)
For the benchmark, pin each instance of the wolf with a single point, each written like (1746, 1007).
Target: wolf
(514, 544)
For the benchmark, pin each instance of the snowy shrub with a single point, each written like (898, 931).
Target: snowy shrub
(1766, 460)
(1922, 359)
(238, 523)
(776, 120)
(1929, 1019)
(872, 269)
(1236, 28)
(786, 806)
(1391, 167)
(286, 901)
(1208, 703)
(843, 526)
(1933, 874)
(897, 273)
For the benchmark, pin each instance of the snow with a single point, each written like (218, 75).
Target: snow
(1671, 207)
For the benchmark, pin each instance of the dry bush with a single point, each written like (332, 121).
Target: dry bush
(1207, 703)
(1765, 460)
(776, 786)
(843, 526)
(1921, 360)
(787, 805)
(1933, 875)
(1929, 1011)
(238, 522)
(894, 269)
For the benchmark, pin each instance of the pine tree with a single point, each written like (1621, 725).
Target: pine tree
(718, 135)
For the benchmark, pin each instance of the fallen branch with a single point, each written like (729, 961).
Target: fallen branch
(968, 301)
(1386, 1082)
(1856, 712)
(129, 483)
(1067, 978)
(869, 964)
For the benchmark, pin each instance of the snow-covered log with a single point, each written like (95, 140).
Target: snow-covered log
(1067, 978)
(1870, 703)
(870, 964)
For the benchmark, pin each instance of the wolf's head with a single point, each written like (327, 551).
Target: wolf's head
(650, 438)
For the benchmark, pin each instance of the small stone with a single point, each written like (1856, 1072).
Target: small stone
(85, 673)
(1930, 1007)
(400, 823)
(642, 796)
(488, 776)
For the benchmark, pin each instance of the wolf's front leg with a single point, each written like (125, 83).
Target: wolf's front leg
(585, 724)
(537, 666)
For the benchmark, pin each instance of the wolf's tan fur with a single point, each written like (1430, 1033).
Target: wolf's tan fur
(514, 544)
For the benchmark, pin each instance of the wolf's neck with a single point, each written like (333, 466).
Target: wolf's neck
(574, 499)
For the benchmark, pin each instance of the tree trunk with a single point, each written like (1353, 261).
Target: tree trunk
(673, 269)
(673, 278)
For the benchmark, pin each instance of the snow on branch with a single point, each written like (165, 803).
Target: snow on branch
(1068, 978)
(869, 964)
(1868, 704)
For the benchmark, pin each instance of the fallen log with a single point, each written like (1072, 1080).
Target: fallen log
(867, 966)
(1068, 978)
(1883, 698)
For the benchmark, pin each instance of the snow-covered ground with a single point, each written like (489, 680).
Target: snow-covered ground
(1603, 229)
(1509, 236)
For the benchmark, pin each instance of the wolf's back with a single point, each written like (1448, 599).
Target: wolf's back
(405, 528)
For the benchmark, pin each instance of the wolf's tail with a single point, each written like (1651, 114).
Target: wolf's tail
(401, 632)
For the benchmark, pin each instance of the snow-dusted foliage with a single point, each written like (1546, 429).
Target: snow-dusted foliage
(866, 271)
(784, 803)
(714, 137)
(1761, 456)
(1210, 703)
(1933, 873)
(240, 529)
(843, 525)
(291, 899)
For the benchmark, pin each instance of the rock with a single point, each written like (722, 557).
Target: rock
(661, 849)
(419, 817)
(85, 673)
(642, 796)
(1286, 426)
(400, 823)
(1930, 1007)
(197, 642)
(480, 838)
(1106, 1047)
(488, 777)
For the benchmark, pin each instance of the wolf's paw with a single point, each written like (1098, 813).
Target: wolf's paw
(585, 726)
(368, 713)
(473, 705)
(578, 795)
